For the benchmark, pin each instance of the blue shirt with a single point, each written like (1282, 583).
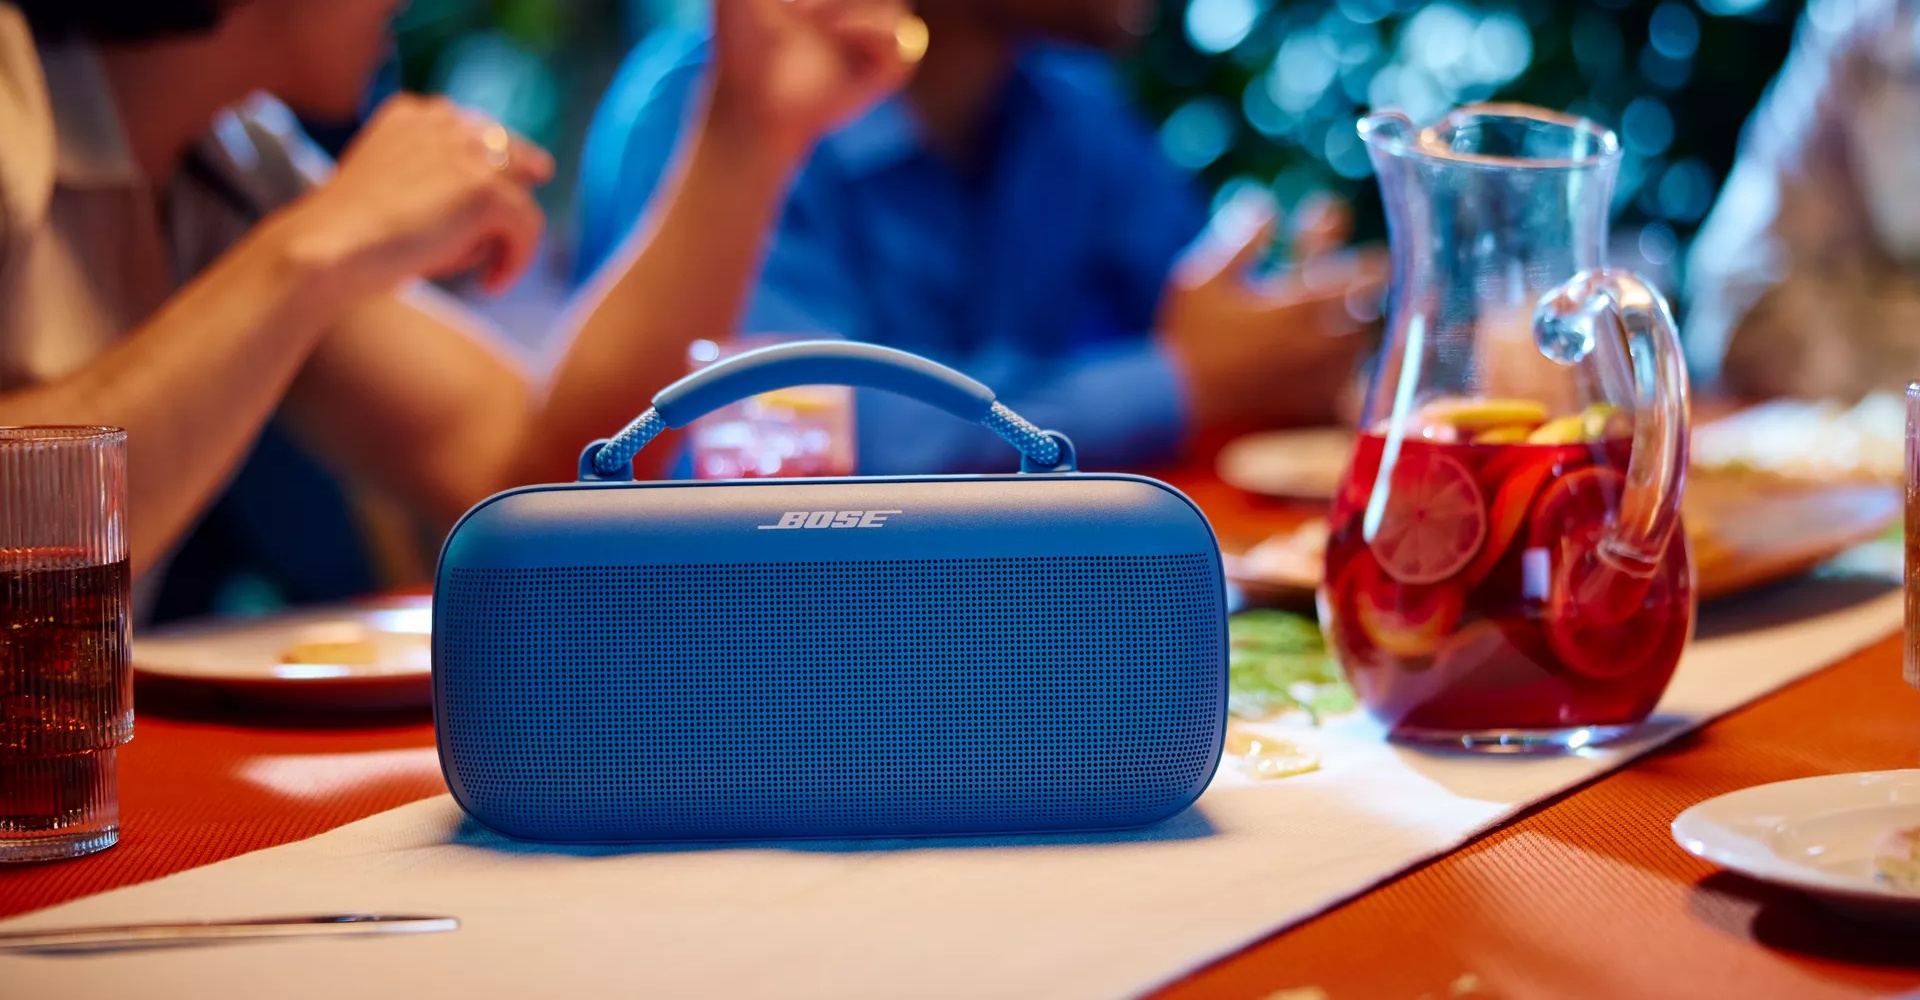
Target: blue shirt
(1039, 274)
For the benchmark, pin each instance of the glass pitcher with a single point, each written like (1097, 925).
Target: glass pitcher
(1506, 570)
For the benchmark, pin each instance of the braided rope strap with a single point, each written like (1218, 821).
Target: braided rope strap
(1020, 432)
(616, 456)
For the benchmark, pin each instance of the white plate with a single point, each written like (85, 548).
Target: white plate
(1813, 834)
(1295, 465)
(369, 656)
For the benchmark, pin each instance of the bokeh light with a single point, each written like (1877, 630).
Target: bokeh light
(1198, 133)
(1674, 32)
(1657, 243)
(1686, 191)
(1215, 26)
(1675, 78)
(1734, 8)
(1646, 126)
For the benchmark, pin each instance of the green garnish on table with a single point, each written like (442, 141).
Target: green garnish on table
(1277, 662)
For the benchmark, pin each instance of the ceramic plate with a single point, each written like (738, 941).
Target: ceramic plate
(371, 656)
(1813, 834)
(1748, 531)
(1293, 465)
(1284, 570)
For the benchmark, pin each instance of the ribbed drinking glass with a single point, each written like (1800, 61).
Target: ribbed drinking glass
(66, 690)
(1913, 534)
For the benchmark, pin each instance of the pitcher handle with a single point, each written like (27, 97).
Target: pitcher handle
(1567, 326)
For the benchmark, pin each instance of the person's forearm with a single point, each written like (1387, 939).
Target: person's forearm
(683, 275)
(403, 392)
(193, 384)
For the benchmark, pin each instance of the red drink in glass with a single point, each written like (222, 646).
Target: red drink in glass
(1467, 598)
(786, 433)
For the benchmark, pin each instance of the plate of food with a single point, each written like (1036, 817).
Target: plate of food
(1791, 440)
(1291, 465)
(1762, 504)
(372, 657)
(1784, 440)
(1850, 840)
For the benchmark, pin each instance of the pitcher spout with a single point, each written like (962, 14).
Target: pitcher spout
(1392, 131)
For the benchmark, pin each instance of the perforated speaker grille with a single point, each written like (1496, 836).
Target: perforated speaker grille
(831, 698)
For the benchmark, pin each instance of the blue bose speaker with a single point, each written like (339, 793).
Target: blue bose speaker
(617, 661)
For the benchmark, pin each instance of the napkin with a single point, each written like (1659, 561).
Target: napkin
(1056, 917)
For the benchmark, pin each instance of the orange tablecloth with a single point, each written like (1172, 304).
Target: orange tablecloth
(1584, 896)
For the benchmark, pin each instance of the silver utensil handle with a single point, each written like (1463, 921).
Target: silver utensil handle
(165, 935)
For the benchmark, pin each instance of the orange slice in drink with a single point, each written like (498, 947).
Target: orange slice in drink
(1375, 616)
(1619, 633)
(1408, 621)
(1435, 520)
(1570, 522)
(1577, 503)
(1601, 621)
(1510, 505)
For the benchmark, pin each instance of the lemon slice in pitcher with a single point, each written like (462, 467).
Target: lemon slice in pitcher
(1484, 414)
(1595, 423)
(1504, 434)
(1561, 430)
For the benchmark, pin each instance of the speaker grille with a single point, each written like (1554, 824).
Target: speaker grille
(830, 698)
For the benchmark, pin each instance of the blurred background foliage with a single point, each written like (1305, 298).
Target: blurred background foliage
(1257, 92)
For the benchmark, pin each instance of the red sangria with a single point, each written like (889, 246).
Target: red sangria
(1466, 589)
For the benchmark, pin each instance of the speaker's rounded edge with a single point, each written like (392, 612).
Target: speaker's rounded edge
(437, 648)
(1220, 595)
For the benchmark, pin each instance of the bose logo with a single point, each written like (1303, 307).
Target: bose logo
(830, 519)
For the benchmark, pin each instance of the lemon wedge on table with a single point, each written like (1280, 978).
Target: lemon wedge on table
(1264, 758)
(1484, 414)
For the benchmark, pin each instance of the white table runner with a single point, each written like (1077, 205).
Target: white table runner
(1059, 918)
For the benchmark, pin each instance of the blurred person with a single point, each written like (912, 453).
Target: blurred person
(177, 260)
(1009, 214)
(1805, 280)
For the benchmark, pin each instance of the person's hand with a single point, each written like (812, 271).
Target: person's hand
(793, 70)
(427, 190)
(1270, 350)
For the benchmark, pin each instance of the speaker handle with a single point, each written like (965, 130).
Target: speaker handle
(825, 362)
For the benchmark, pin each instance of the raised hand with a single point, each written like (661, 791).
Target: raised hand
(1262, 350)
(796, 69)
(428, 189)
